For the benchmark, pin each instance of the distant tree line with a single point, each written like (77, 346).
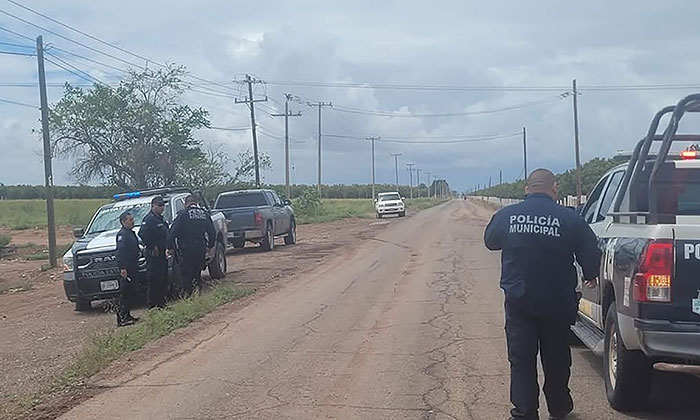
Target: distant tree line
(29, 192)
(591, 172)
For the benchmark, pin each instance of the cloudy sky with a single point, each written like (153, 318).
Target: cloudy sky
(500, 46)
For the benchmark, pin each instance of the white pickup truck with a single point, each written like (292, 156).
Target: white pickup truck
(389, 203)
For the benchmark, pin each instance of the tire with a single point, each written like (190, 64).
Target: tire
(174, 282)
(218, 266)
(268, 242)
(627, 372)
(82, 305)
(402, 214)
(239, 244)
(291, 237)
(379, 216)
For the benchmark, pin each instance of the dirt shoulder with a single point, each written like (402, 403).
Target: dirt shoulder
(42, 333)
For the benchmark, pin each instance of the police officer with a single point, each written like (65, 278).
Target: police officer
(540, 240)
(154, 233)
(127, 259)
(194, 231)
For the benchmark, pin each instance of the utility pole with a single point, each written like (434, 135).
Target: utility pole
(396, 167)
(286, 116)
(500, 177)
(48, 172)
(489, 182)
(576, 145)
(372, 139)
(525, 153)
(251, 103)
(410, 177)
(320, 105)
(418, 181)
(430, 178)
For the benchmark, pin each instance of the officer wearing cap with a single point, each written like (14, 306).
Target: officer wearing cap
(540, 240)
(154, 234)
(194, 232)
(127, 259)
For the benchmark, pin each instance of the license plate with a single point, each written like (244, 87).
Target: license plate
(108, 285)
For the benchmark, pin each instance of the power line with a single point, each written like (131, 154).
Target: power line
(228, 128)
(95, 39)
(451, 114)
(503, 88)
(88, 75)
(74, 73)
(7, 101)
(471, 140)
(17, 34)
(17, 53)
(9, 44)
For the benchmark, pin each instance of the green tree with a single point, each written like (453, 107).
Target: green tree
(135, 135)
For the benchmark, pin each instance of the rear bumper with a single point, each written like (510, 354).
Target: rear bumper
(244, 235)
(670, 341)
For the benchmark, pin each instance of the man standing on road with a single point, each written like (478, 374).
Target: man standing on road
(154, 233)
(194, 231)
(127, 259)
(540, 241)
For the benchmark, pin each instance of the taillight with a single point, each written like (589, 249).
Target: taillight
(689, 154)
(652, 283)
(258, 218)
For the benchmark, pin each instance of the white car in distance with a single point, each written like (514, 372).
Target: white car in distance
(389, 203)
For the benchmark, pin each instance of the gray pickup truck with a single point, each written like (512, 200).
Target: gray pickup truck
(90, 270)
(257, 216)
(645, 313)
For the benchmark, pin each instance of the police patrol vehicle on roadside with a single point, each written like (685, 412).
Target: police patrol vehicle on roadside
(90, 270)
(645, 314)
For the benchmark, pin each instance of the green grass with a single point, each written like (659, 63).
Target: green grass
(5, 240)
(102, 348)
(337, 209)
(27, 214)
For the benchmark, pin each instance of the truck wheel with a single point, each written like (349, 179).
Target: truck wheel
(218, 266)
(291, 237)
(402, 214)
(82, 305)
(627, 372)
(379, 216)
(239, 244)
(268, 242)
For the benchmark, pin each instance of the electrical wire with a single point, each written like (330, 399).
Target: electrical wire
(9, 44)
(7, 101)
(471, 140)
(17, 53)
(88, 75)
(74, 73)
(17, 34)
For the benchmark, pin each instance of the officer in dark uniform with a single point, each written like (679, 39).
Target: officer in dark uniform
(154, 233)
(194, 232)
(540, 241)
(127, 259)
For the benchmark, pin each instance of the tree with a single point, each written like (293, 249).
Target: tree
(135, 135)
(246, 166)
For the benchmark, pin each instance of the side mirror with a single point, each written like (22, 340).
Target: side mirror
(287, 202)
(79, 232)
(403, 198)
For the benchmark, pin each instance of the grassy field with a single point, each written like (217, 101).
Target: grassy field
(336, 209)
(26, 214)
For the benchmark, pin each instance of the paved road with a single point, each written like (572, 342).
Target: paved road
(408, 327)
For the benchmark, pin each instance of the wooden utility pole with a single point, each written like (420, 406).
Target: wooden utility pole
(410, 177)
(251, 103)
(525, 152)
(396, 167)
(286, 115)
(320, 105)
(576, 145)
(48, 172)
(373, 139)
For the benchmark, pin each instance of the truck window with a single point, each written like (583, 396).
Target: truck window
(679, 192)
(275, 198)
(589, 211)
(610, 193)
(230, 201)
(179, 204)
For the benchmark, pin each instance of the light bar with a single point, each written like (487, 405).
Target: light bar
(123, 196)
(689, 154)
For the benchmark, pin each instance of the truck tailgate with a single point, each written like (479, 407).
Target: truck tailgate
(241, 218)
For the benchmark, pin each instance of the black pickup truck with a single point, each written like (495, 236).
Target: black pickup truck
(645, 314)
(90, 270)
(257, 216)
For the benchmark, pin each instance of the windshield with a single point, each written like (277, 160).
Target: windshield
(108, 218)
(389, 197)
(230, 201)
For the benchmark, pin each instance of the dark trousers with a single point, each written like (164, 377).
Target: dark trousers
(127, 289)
(193, 261)
(157, 281)
(526, 334)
